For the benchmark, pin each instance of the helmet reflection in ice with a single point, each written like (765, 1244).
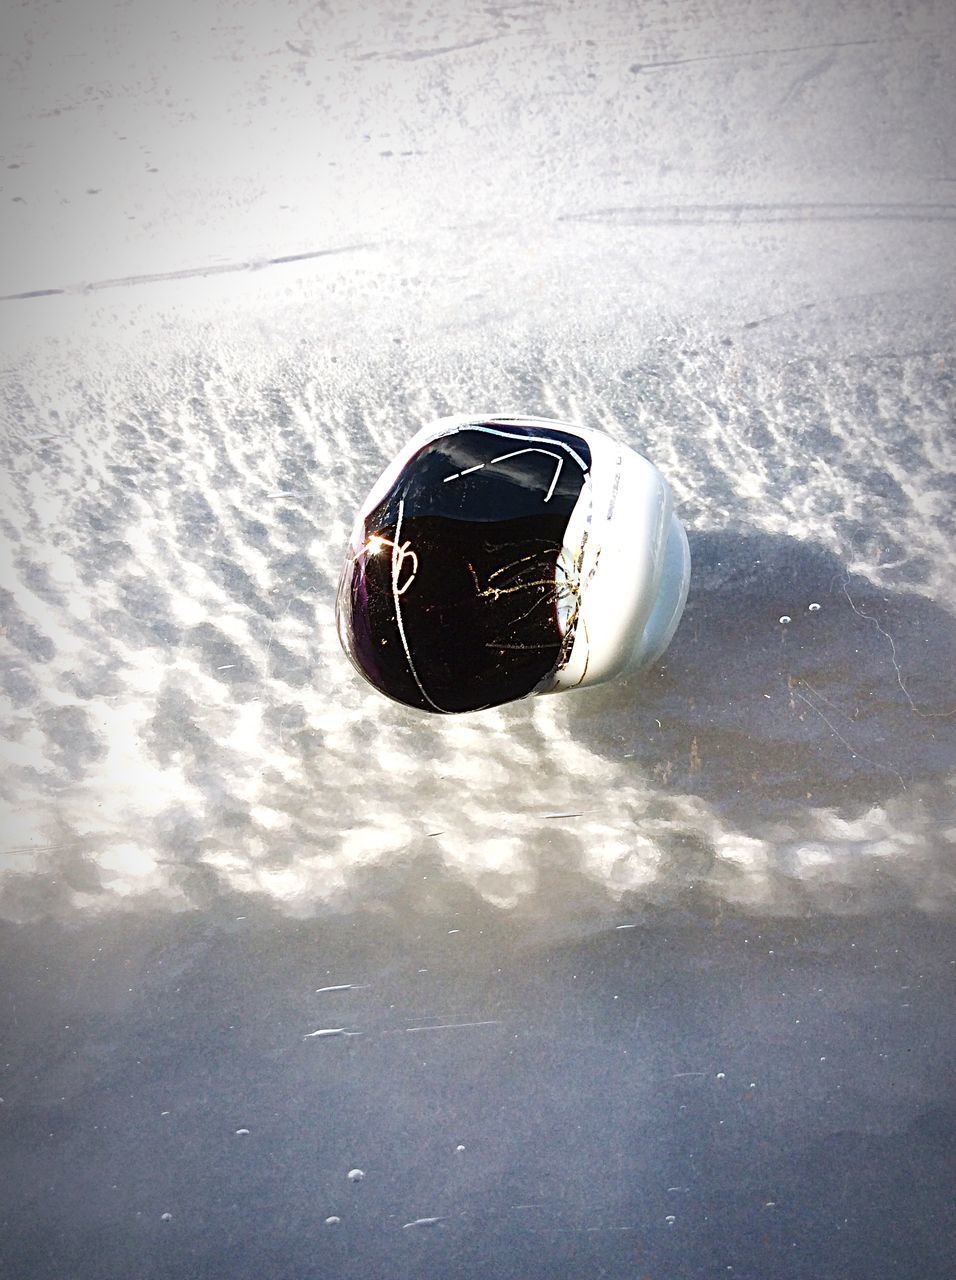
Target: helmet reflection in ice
(498, 557)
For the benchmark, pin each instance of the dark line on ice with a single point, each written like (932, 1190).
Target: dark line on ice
(736, 214)
(187, 273)
(640, 67)
(314, 253)
(32, 293)
(415, 55)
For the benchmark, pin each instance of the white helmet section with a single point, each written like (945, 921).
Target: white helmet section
(626, 561)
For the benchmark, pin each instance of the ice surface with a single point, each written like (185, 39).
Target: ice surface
(679, 947)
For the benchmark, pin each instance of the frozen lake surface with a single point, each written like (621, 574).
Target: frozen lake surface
(655, 979)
